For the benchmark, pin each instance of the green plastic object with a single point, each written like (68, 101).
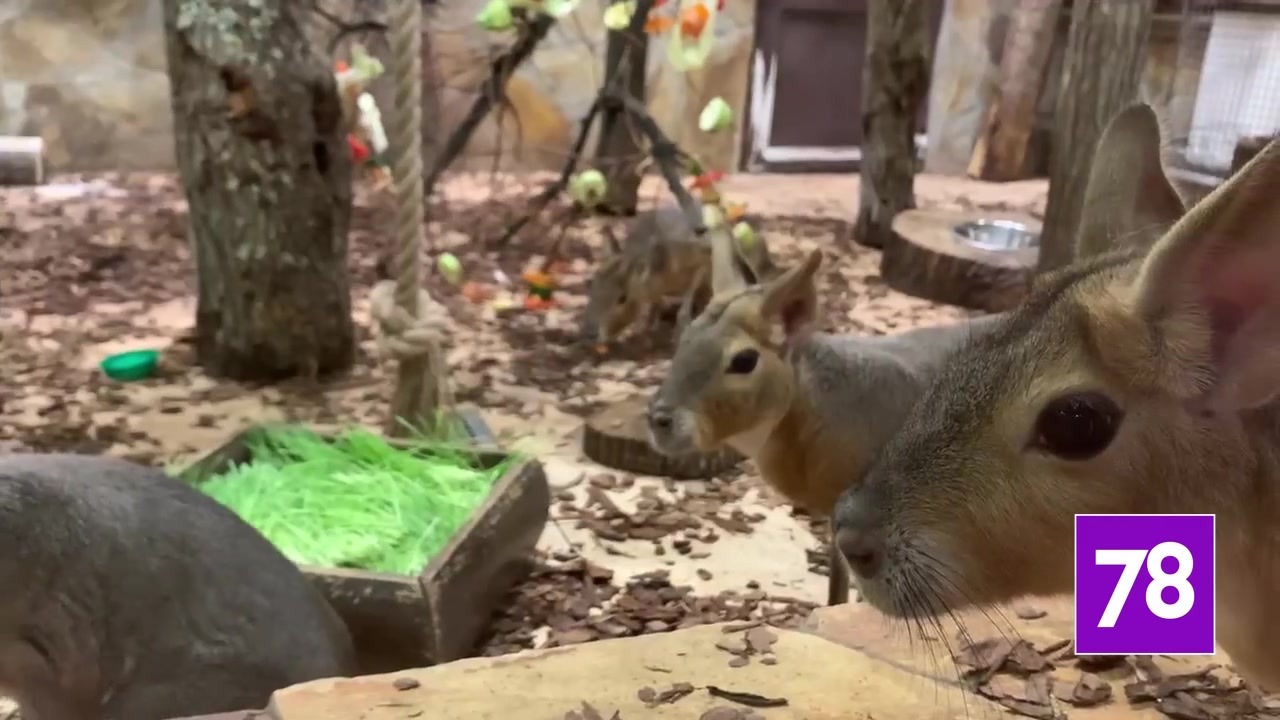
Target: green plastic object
(134, 365)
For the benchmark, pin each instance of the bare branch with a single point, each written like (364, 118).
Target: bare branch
(553, 189)
(531, 33)
(667, 155)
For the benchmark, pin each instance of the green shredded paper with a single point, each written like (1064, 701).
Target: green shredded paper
(354, 500)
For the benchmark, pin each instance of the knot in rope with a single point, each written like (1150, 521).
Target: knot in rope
(400, 335)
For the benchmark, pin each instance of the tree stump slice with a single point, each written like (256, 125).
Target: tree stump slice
(618, 437)
(927, 260)
(21, 161)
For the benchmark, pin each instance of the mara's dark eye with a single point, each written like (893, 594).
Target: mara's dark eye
(1078, 426)
(744, 362)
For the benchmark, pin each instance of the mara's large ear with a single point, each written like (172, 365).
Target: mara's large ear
(1128, 199)
(726, 266)
(1209, 290)
(792, 298)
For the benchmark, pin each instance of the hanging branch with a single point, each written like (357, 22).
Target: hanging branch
(502, 68)
(665, 153)
(558, 186)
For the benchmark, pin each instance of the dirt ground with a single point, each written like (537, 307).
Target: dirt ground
(94, 265)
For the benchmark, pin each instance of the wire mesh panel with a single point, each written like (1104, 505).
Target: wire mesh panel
(1233, 49)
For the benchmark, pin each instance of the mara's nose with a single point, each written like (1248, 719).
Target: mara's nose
(659, 417)
(858, 538)
(862, 549)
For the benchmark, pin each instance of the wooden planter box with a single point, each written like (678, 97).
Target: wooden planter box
(401, 621)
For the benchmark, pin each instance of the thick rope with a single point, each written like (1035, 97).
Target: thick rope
(406, 331)
(404, 337)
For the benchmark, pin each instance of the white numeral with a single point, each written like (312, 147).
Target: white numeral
(1132, 562)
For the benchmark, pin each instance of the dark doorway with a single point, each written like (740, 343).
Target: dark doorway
(806, 85)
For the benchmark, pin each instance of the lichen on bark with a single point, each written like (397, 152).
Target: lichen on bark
(263, 160)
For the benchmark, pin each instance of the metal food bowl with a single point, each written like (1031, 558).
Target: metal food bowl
(996, 235)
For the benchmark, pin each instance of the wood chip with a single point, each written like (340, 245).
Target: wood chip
(1146, 668)
(746, 698)
(672, 694)
(1149, 690)
(734, 646)
(1185, 707)
(1100, 663)
(722, 713)
(1024, 660)
(984, 659)
(1053, 647)
(761, 639)
(405, 683)
(1090, 690)
(1026, 612)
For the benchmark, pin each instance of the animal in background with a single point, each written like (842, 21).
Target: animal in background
(128, 595)
(660, 258)
(1142, 379)
(809, 408)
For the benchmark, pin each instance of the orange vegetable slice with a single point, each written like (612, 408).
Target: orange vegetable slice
(657, 24)
(693, 20)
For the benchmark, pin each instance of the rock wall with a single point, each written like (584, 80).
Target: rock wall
(89, 76)
(559, 84)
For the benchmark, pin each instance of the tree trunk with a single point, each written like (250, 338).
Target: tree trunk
(1101, 71)
(619, 152)
(267, 175)
(1001, 152)
(894, 81)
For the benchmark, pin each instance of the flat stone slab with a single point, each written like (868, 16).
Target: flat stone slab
(847, 663)
(820, 680)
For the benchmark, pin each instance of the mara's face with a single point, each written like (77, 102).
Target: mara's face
(613, 301)
(1063, 408)
(727, 379)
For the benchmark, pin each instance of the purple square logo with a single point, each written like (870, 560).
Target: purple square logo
(1144, 585)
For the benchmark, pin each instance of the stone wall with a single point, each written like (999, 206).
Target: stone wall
(558, 86)
(89, 76)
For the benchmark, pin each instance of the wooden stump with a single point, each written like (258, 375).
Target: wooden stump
(21, 161)
(618, 437)
(925, 259)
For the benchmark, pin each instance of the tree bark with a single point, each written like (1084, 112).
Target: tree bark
(894, 82)
(1002, 149)
(267, 175)
(619, 152)
(1101, 71)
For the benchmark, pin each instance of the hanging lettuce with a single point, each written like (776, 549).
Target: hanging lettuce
(691, 40)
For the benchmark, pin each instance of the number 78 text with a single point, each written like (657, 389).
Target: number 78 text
(1132, 561)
